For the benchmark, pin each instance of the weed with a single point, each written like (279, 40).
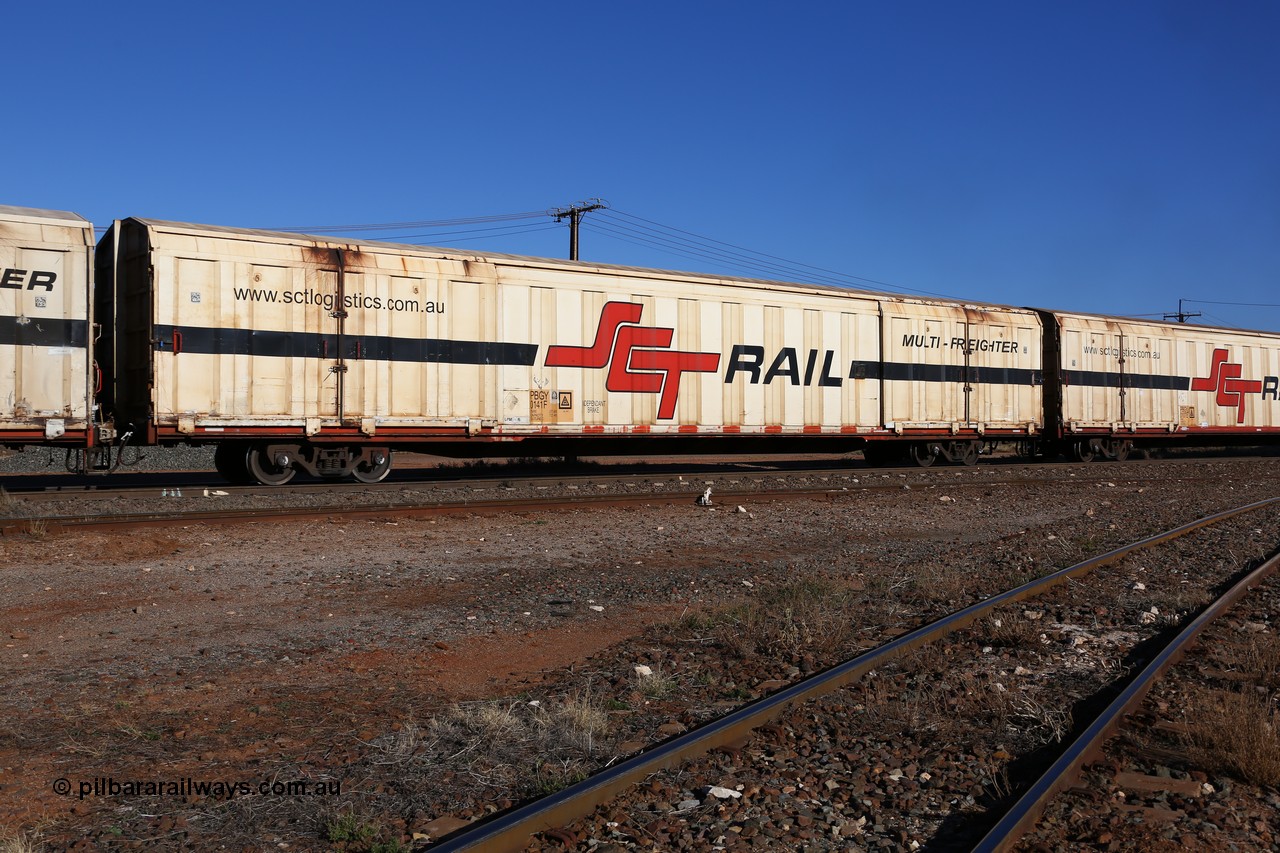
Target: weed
(21, 843)
(401, 746)
(813, 615)
(1237, 733)
(656, 685)
(393, 845)
(348, 827)
(1037, 717)
(520, 744)
(1010, 630)
(1262, 659)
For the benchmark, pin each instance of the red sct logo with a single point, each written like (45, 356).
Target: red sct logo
(1224, 378)
(637, 356)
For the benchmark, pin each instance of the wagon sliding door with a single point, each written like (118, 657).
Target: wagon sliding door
(244, 343)
(923, 367)
(1093, 375)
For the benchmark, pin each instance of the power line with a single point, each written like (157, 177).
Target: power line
(400, 226)
(1240, 304)
(479, 232)
(664, 236)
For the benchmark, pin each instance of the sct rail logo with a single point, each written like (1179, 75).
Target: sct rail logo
(1224, 377)
(637, 356)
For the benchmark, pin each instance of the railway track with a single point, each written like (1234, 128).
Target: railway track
(419, 660)
(513, 830)
(173, 499)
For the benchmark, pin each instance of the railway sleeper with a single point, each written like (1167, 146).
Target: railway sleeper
(276, 463)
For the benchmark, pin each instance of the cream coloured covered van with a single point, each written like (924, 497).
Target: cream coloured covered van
(46, 381)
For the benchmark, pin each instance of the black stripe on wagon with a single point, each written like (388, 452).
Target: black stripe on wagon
(1108, 379)
(43, 332)
(907, 372)
(894, 371)
(260, 342)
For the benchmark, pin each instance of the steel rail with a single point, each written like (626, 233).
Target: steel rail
(166, 481)
(511, 831)
(1021, 819)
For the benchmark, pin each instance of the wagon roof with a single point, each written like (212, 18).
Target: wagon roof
(40, 215)
(533, 261)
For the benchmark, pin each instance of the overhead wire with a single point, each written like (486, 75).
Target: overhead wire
(615, 224)
(401, 226)
(797, 269)
(1239, 304)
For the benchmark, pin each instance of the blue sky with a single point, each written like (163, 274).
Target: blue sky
(1106, 157)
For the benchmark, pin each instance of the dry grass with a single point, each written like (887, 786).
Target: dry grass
(656, 685)
(814, 616)
(23, 842)
(534, 747)
(1262, 659)
(1237, 732)
(1009, 629)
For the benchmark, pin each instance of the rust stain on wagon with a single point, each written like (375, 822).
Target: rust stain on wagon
(321, 256)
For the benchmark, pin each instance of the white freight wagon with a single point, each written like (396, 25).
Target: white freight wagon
(1127, 380)
(46, 381)
(321, 354)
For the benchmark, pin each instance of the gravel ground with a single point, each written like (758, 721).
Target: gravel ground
(401, 659)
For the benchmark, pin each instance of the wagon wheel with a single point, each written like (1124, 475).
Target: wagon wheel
(1084, 450)
(228, 459)
(924, 453)
(1120, 450)
(968, 453)
(374, 471)
(263, 468)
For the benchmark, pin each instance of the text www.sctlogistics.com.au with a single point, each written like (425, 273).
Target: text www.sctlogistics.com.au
(222, 789)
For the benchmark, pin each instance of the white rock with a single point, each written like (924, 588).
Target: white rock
(723, 793)
(688, 805)
(741, 508)
(597, 608)
(643, 671)
(1139, 586)
(1207, 788)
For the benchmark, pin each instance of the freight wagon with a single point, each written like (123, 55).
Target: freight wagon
(324, 355)
(46, 376)
(1117, 382)
(307, 353)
